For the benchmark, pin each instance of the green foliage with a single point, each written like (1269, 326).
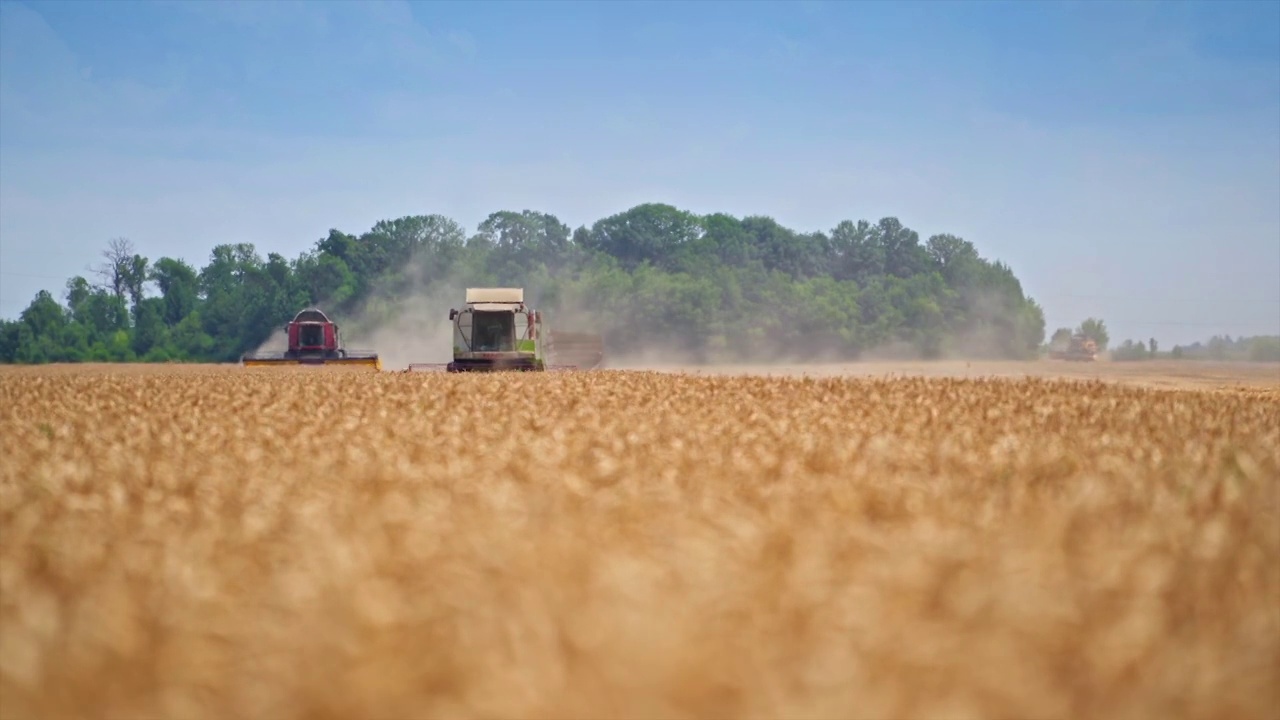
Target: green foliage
(1095, 330)
(1261, 348)
(1130, 351)
(712, 287)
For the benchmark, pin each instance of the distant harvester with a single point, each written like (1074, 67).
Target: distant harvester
(496, 331)
(313, 339)
(1079, 349)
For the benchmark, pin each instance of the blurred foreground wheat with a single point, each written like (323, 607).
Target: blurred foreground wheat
(234, 543)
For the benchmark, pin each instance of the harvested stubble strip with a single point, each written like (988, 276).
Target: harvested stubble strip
(298, 544)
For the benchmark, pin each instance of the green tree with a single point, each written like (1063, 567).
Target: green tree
(9, 340)
(1095, 330)
(650, 233)
(148, 326)
(44, 316)
(178, 283)
(903, 254)
(1130, 351)
(521, 241)
(858, 252)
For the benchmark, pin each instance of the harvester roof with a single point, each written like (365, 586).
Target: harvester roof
(311, 315)
(476, 296)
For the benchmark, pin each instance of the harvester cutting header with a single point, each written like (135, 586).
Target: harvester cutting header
(313, 339)
(497, 331)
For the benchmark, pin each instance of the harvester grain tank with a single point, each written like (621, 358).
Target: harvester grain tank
(497, 331)
(313, 339)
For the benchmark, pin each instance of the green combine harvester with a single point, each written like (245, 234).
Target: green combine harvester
(496, 331)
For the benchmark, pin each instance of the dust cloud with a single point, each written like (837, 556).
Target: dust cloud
(408, 323)
(278, 342)
(410, 329)
(980, 338)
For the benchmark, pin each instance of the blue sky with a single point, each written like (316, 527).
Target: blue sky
(1123, 158)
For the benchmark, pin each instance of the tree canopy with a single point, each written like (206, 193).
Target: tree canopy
(713, 287)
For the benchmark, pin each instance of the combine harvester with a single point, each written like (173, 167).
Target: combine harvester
(313, 340)
(1080, 349)
(496, 331)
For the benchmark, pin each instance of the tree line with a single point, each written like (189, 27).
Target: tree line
(711, 287)
(1259, 348)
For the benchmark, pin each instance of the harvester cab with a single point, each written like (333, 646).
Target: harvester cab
(313, 339)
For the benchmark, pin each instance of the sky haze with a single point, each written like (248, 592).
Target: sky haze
(1123, 159)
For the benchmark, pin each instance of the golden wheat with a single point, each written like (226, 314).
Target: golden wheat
(233, 543)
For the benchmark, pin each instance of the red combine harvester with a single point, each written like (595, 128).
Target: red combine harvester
(313, 339)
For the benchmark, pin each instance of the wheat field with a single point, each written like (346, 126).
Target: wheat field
(186, 542)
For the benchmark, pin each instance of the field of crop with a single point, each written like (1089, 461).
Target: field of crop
(204, 542)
